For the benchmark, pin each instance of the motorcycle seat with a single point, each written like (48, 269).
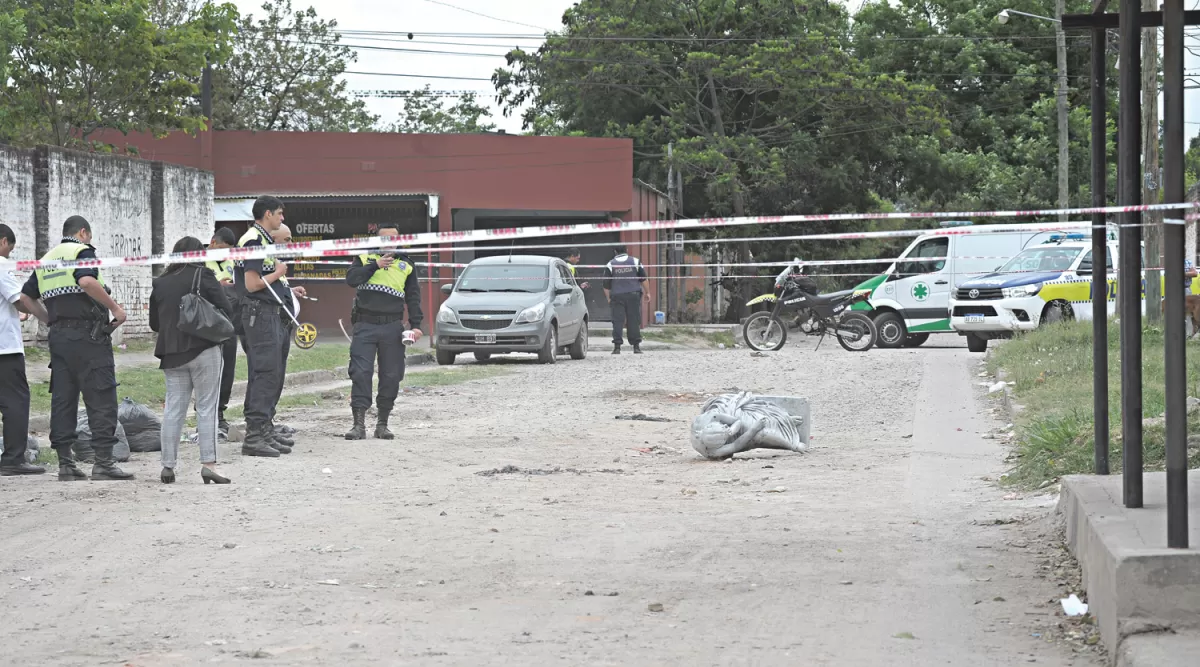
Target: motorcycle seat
(831, 297)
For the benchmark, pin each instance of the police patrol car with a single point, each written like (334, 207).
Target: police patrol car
(1047, 283)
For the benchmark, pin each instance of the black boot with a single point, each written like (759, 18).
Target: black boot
(258, 444)
(282, 437)
(637, 348)
(222, 427)
(105, 468)
(359, 430)
(617, 349)
(67, 471)
(278, 444)
(381, 426)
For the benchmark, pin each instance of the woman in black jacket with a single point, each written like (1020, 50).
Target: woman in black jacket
(190, 363)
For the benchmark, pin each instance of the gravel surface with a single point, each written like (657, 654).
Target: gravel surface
(516, 520)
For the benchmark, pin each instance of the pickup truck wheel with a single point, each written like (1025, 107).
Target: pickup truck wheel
(891, 330)
(1057, 312)
(976, 343)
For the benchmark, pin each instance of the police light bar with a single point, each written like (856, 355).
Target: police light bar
(955, 223)
(1059, 238)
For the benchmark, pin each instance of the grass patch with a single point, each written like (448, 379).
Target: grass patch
(1052, 371)
(687, 335)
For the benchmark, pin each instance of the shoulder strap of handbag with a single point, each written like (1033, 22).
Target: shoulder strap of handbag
(196, 282)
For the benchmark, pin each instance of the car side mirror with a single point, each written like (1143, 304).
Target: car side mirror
(563, 291)
(447, 289)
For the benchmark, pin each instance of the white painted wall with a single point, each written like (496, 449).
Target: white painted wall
(187, 205)
(16, 211)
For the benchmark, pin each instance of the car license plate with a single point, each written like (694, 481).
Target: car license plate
(974, 318)
(485, 339)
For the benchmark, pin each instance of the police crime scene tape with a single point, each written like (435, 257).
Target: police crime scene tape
(348, 247)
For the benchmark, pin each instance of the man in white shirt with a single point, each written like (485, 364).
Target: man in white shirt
(14, 389)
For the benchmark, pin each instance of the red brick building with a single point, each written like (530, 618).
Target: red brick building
(339, 185)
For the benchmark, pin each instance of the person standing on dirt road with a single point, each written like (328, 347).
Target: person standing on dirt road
(261, 298)
(624, 277)
(385, 285)
(14, 389)
(79, 308)
(282, 236)
(224, 238)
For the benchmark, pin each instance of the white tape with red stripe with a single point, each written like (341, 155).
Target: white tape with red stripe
(348, 247)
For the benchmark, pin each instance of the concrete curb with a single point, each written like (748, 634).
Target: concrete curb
(41, 422)
(1158, 650)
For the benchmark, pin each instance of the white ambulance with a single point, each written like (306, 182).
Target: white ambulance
(911, 300)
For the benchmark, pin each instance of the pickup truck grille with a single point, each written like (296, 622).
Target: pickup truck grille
(979, 294)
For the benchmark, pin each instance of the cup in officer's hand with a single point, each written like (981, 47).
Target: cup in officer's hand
(385, 261)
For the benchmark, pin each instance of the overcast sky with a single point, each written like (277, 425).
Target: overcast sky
(508, 17)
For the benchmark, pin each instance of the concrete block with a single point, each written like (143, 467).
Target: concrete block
(1134, 583)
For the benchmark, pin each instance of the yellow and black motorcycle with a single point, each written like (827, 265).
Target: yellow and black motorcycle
(816, 314)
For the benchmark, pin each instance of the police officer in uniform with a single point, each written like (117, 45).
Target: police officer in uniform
(224, 238)
(81, 357)
(623, 278)
(572, 261)
(291, 304)
(262, 317)
(385, 283)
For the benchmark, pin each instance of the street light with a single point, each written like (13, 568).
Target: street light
(1060, 94)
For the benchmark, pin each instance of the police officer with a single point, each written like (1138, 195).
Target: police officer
(224, 238)
(262, 316)
(385, 282)
(81, 358)
(623, 278)
(572, 261)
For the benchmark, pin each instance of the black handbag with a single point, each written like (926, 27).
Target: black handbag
(199, 318)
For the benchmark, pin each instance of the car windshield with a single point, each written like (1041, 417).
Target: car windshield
(1042, 259)
(504, 278)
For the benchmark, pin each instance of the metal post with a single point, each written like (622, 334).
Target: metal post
(1061, 97)
(206, 95)
(1129, 193)
(1100, 249)
(1175, 356)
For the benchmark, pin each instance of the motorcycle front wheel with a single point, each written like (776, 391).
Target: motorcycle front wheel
(856, 332)
(764, 332)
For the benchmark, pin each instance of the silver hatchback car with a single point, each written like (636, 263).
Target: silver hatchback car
(513, 303)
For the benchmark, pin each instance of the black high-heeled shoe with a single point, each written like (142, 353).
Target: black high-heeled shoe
(211, 477)
(167, 476)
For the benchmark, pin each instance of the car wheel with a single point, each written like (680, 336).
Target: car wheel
(549, 352)
(579, 347)
(445, 357)
(483, 357)
(916, 340)
(1057, 312)
(891, 330)
(976, 343)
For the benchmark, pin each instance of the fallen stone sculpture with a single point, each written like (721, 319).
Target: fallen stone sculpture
(733, 423)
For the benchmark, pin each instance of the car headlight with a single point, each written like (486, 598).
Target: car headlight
(1022, 291)
(446, 316)
(531, 314)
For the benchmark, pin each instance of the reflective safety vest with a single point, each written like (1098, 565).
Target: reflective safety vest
(390, 280)
(57, 282)
(224, 270)
(266, 240)
(572, 267)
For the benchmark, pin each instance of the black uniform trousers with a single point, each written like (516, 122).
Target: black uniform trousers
(14, 406)
(228, 370)
(80, 365)
(264, 330)
(386, 341)
(289, 330)
(627, 313)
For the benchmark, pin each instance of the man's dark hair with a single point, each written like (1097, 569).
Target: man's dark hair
(620, 250)
(225, 235)
(573, 252)
(75, 224)
(264, 205)
(7, 234)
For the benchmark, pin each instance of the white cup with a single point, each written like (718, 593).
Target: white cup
(410, 337)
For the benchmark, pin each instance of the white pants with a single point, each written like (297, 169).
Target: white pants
(202, 375)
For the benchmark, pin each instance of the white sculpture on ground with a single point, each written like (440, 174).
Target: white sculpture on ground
(732, 423)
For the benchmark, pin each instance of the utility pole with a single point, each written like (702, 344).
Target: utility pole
(1060, 38)
(1150, 168)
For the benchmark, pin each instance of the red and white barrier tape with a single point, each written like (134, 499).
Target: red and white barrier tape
(348, 247)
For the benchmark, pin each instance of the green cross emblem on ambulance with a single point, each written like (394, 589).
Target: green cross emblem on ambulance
(920, 291)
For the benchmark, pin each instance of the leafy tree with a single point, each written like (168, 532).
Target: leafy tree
(284, 75)
(425, 113)
(766, 108)
(83, 65)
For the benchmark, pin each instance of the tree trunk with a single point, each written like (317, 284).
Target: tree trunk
(1151, 187)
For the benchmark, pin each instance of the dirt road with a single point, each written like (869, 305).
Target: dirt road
(877, 547)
